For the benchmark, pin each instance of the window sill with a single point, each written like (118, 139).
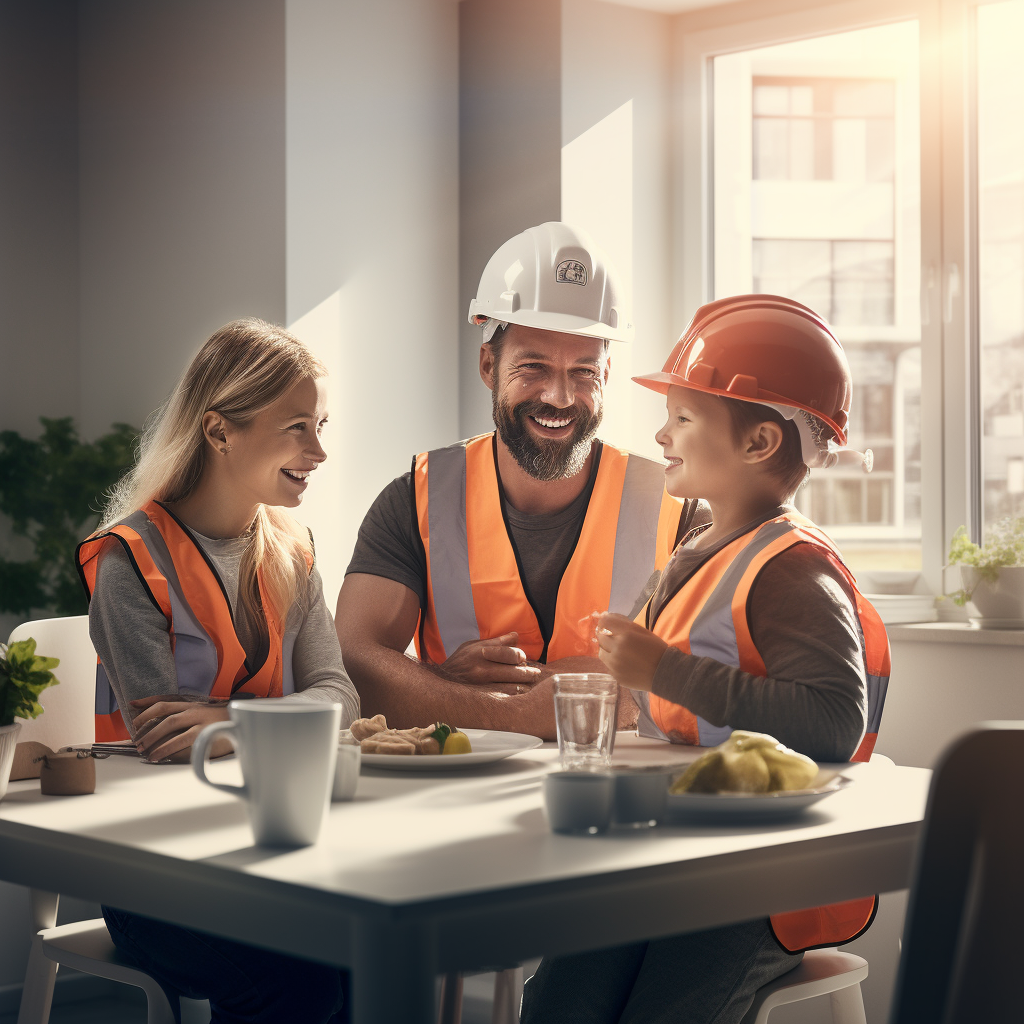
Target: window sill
(955, 633)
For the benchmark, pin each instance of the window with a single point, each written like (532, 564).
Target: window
(1000, 268)
(828, 213)
(822, 129)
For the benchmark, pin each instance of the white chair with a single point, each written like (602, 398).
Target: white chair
(508, 996)
(821, 972)
(85, 945)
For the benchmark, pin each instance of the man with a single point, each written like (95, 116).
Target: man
(493, 552)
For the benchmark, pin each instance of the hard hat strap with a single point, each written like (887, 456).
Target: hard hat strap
(491, 327)
(818, 449)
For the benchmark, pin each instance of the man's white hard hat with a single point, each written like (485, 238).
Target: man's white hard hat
(553, 277)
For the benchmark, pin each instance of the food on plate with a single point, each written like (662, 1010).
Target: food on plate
(376, 738)
(747, 762)
(361, 728)
(457, 743)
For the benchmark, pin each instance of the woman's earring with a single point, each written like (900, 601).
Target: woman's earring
(225, 449)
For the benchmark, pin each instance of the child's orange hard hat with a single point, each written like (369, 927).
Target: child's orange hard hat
(762, 348)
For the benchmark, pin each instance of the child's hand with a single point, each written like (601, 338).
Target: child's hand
(631, 652)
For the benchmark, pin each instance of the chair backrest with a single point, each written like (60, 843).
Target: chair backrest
(69, 714)
(963, 942)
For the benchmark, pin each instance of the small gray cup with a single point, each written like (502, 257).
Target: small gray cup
(641, 795)
(579, 803)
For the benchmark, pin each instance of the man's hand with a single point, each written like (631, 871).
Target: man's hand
(534, 711)
(493, 660)
(575, 663)
(169, 727)
(630, 652)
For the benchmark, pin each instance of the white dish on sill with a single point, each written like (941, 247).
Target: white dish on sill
(899, 608)
(987, 623)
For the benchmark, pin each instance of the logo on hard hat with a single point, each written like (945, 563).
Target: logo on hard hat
(571, 272)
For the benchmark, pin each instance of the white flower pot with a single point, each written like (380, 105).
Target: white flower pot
(999, 602)
(8, 741)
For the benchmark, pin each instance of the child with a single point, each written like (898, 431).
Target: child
(756, 624)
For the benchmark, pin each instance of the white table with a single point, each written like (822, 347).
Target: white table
(425, 873)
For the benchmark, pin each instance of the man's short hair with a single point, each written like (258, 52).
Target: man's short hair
(497, 343)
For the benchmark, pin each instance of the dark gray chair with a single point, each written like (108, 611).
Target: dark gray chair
(963, 943)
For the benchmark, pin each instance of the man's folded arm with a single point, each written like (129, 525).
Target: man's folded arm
(376, 619)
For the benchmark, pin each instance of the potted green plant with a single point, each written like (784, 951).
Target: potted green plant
(992, 574)
(23, 676)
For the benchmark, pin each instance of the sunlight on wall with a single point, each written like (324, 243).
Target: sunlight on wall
(324, 510)
(597, 196)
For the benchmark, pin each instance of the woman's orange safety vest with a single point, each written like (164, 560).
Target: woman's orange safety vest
(183, 584)
(474, 586)
(707, 616)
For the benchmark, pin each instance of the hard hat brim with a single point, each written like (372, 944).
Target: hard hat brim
(662, 381)
(558, 323)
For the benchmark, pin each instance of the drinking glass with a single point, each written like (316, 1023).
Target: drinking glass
(585, 704)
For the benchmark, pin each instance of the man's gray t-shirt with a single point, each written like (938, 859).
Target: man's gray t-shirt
(389, 544)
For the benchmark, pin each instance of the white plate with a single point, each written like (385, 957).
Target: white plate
(741, 807)
(987, 623)
(487, 746)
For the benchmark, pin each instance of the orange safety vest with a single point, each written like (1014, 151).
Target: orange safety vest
(183, 584)
(474, 586)
(707, 616)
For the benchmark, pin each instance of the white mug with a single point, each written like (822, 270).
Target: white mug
(287, 751)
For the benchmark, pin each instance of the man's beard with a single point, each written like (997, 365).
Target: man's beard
(546, 459)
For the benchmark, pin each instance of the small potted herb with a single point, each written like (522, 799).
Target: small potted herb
(992, 574)
(23, 676)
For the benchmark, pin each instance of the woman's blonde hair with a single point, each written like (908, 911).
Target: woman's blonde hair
(242, 369)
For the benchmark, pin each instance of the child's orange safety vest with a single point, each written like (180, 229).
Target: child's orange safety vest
(707, 617)
(474, 586)
(182, 583)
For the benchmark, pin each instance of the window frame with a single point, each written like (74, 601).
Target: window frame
(950, 351)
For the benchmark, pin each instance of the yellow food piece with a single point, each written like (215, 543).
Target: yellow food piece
(457, 743)
(747, 762)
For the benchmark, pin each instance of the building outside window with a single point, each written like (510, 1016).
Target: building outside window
(817, 197)
(1000, 242)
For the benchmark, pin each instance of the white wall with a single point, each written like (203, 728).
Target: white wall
(372, 242)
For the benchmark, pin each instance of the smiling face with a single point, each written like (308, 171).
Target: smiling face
(704, 458)
(547, 397)
(270, 458)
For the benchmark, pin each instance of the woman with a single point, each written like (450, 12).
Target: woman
(202, 587)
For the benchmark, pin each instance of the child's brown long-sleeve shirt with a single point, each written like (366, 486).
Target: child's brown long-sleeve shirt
(803, 622)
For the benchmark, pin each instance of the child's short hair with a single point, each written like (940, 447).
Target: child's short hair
(787, 465)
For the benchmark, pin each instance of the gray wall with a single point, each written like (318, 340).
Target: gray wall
(510, 136)
(38, 213)
(613, 56)
(182, 188)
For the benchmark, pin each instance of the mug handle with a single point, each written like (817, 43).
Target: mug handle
(199, 758)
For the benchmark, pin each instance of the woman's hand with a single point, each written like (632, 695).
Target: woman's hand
(168, 727)
(630, 652)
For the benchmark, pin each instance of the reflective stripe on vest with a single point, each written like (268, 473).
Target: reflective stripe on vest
(474, 587)
(184, 586)
(708, 617)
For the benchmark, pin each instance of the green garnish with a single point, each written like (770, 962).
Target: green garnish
(441, 733)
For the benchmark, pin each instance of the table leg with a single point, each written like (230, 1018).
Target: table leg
(393, 972)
